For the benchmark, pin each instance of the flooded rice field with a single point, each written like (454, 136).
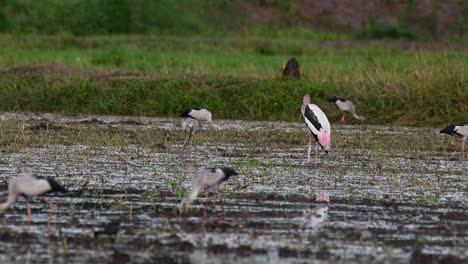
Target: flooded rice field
(397, 194)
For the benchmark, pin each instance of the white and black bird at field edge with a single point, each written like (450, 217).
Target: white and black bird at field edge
(318, 125)
(32, 186)
(346, 106)
(204, 179)
(201, 115)
(458, 130)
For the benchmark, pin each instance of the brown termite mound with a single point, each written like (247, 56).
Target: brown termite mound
(291, 70)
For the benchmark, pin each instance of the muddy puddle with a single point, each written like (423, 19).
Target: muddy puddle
(385, 205)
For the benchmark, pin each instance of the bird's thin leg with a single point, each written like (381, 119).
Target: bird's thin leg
(310, 149)
(28, 210)
(190, 142)
(223, 214)
(463, 149)
(182, 152)
(51, 209)
(316, 155)
(205, 214)
(343, 119)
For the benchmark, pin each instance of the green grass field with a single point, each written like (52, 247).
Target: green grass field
(234, 77)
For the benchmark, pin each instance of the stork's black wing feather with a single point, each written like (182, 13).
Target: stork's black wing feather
(451, 131)
(309, 114)
(228, 172)
(56, 187)
(186, 113)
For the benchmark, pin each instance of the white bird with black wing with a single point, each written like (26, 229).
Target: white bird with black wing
(204, 179)
(346, 106)
(318, 125)
(32, 186)
(458, 130)
(201, 115)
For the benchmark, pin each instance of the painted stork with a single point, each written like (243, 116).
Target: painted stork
(318, 125)
(346, 106)
(458, 130)
(204, 179)
(32, 186)
(201, 115)
(191, 126)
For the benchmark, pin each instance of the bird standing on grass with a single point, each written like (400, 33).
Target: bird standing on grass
(346, 106)
(318, 125)
(191, 126)
(458, 130)
(201, 115)
(32, 186)
(204, 179)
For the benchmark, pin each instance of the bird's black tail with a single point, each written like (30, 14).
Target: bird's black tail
(186, 113)
(56, 187)
(448, 130)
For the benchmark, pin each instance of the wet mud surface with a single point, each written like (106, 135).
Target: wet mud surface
(386, 204)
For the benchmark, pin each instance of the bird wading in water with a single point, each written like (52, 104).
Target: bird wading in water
(32, 186)
(204, 179)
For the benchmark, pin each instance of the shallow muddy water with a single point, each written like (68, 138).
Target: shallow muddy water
(385, 205)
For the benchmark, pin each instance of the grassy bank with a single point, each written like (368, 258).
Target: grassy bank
(233, 77)
(236, 98)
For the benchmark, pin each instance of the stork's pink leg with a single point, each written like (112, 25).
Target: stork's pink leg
(316, 156)
(463, 149)
(310, 149)
(190, 149)
(51, 209)
(28, 210)
(223, 214)
(182, 152)
(205, 214)
(343, 119)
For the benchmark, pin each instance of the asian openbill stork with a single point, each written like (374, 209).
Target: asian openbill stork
(346, 106)
(204, 179)
(201, 115)
(458, 130)
(318, 125)
(32, 186)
